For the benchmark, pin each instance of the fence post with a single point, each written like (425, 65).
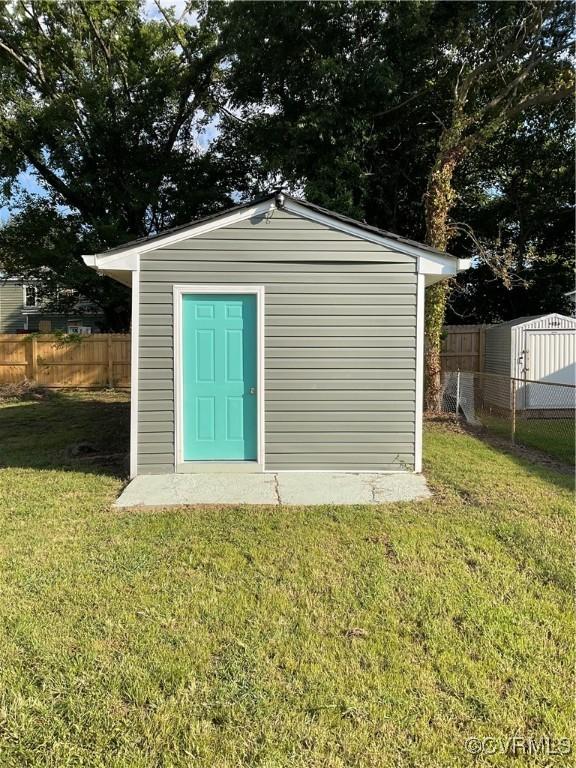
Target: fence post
(513, 408)
(457, 394)
(33, 362)
(110, 361)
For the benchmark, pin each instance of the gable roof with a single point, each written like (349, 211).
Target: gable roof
(527, 319)
(337, 217)
(121, 261)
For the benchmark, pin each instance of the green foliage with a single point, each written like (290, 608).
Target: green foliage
(405, 115)
(375, 109)
(313, 83)
(517, 196)
(104, 105)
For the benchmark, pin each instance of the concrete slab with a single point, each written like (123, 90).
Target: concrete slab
(289, 488)
(325, 488)
(398, 487)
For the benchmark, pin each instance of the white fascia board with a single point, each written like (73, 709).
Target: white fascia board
(436, 267)
(435, 264)
(121, 260)
(351, 229)
(128, 257)
(116, 262)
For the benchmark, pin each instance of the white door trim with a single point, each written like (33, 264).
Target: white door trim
(178, 292)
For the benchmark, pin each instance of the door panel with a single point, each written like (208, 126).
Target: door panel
(219, 372)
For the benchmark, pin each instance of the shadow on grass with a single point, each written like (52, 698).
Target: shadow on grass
(74, 431)
(530, 460)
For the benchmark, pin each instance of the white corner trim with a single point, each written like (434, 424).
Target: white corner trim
(134, 371)
(178, 291)
(419, 410)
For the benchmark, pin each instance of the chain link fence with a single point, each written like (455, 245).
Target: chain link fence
(535, 414)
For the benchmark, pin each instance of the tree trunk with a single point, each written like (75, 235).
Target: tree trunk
(436, 297)
(440, 197)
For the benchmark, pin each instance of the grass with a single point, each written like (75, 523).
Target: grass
(556, 437)
(553, 436)
(303, 637)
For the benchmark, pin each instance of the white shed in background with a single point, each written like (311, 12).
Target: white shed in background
(535, 349)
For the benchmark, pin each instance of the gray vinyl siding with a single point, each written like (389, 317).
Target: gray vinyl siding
(340, 328)
(11, 306)
(13, 317)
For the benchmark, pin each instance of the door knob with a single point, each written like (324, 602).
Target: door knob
(252, 390)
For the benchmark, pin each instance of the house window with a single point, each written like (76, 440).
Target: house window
(30, 296)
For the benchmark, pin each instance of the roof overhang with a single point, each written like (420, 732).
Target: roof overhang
(436, 267)
(122, 261)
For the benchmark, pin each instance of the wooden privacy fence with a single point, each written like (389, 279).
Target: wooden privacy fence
(463, 348)
(103, 359)
(100, 360)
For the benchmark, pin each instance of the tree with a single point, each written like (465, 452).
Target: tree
(517, 197)
(310, 83)
(373, 108)
(104, 106)
(511, 60)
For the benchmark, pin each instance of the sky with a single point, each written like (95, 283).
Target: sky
(28, 182)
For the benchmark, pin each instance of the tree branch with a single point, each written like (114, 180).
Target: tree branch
(521, 77)
(106, 51)
(537, 99)
(403, 103)
(72, 198)
(34, 75)
(95, 32)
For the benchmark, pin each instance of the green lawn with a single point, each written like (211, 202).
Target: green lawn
(553, 436)
(556, 437)
(275, 637)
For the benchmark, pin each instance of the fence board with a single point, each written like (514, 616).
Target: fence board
(103, 360)
(100, 360)
(463, 348)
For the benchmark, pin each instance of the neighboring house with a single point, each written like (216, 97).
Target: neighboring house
(21, 311)
(276, 336)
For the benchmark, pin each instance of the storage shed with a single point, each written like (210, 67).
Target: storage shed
(533, 349)
(276, 336)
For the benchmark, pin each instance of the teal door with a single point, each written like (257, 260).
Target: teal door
(219, 362)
